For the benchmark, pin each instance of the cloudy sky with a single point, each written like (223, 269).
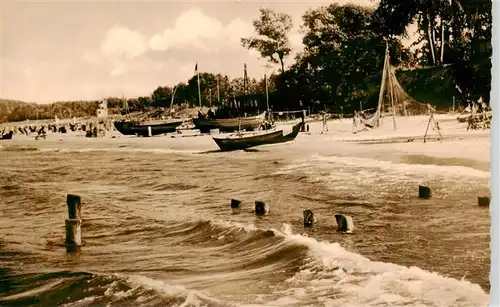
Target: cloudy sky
(71, 50)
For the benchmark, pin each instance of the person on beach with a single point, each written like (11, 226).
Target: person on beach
(325, 124)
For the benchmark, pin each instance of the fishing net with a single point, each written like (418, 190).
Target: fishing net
(393, 100)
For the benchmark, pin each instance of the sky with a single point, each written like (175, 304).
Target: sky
(88, 50)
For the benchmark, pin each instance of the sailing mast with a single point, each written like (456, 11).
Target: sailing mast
(239, 114)
(198, 76)
(172, 102)
(267, 92)
(125, 105)
(218, 92)
(383, 85)
(391, 94)
(267, 97)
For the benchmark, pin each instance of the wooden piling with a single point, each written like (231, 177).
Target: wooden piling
(73, 223)
(149, 131)
(261, 208)
(344, 223)
(308, 218)
(74, 203)
(483, 201)
(235, 206)
(424, 192)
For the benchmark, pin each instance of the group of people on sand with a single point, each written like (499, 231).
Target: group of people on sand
(91, 129)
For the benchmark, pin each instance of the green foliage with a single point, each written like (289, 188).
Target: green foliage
(433, 85)
(342, 54)
(272, 40)
(455, 32)
(12, 110)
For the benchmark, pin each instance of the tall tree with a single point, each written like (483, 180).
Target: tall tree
(343, 55)
(161, 96)
(455, 32)
(272, 40)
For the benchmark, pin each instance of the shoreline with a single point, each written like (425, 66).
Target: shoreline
(407, 139)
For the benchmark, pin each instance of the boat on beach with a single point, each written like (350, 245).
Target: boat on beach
(146, 128)
(240, 141)
(248, 123)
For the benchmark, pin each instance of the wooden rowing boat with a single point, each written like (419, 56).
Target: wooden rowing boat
(244, 141)
(142, 129)
(248, 123)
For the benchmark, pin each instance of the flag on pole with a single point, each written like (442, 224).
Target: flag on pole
(196, 68)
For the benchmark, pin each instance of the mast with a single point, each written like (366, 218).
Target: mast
(239, 114)
(267, 92)
(198, 76)
(383, 85)
(245, 79)
(267, 97)
(218, 92)
(125, 104)
(172, 102)
(391, 97)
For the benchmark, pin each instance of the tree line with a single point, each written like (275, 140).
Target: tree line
(340, 65)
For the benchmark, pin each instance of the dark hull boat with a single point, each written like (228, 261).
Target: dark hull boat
(142, 129)
(248, 123)
(251, 140)
(7, 136)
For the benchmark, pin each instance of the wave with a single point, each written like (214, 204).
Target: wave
(334, 276)
(298, 270)
(403, 169)
(72, 289)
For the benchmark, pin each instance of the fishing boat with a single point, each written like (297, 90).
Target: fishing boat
(147, 128)
(151, 127)
(248, 123)
(243, 141)
(228, 122)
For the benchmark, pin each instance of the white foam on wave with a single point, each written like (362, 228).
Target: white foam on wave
(333, 276)
(337, 277)
(233, 225)
(81, 303)
(140, 284)
(364, 167)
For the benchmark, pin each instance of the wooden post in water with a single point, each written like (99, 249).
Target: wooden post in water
(308, 218)
(261, 208)
(424, 192)
(235, 206)
(149, 131)
(345, 223)
(73, 223)
(483, 201)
